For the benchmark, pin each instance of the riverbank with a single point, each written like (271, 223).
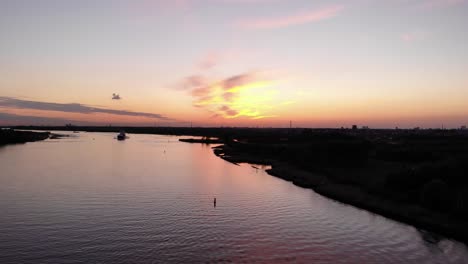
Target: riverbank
(201, 140)
(356, 195)
(10, 136)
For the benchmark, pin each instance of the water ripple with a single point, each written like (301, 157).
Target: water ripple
(103, 201)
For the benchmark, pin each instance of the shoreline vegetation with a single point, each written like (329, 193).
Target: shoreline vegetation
(203, 140)
(416, 176)
(412, 214)
(11, 136)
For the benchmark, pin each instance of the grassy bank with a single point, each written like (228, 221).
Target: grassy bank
(10, 136)
(419, 179)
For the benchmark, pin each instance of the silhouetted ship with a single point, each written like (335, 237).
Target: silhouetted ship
(121, 135)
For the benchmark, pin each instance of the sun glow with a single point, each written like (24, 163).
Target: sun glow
(254, 100)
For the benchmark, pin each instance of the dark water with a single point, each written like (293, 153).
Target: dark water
(93, 199)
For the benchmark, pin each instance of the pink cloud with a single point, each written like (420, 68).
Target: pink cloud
(296, 19)
(212, 59)
(209, 61)
(191, 82)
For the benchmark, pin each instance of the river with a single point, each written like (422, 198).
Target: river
(149, 199)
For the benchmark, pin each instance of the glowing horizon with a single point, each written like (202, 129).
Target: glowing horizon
(234, 63)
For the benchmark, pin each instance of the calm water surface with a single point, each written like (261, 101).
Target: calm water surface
(149, 199)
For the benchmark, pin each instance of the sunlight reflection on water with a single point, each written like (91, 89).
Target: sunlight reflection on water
(94, 199)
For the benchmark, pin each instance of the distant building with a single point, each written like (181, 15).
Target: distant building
(354, 127)
(365, 127)
(463, 128)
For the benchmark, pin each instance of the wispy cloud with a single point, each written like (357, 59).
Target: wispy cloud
(191, 82)
(299, 18)
(209, 61)
(15, 103)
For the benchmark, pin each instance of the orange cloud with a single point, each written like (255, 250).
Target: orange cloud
(296, 19)
(249, 95)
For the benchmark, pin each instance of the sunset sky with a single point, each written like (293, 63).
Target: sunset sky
(234, 62)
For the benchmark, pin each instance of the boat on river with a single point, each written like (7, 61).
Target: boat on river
(121, 135)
